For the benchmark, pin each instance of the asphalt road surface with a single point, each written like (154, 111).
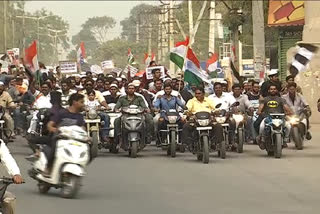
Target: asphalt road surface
(154, 183)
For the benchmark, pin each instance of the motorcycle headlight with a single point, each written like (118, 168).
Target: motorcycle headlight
(204, 122)
(41, 116)
(294, 120)
(277, 122)
(238, 117)
(92, 114)
(172, 119)
(221, 119)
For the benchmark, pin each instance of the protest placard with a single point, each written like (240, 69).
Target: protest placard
(151, 70)
(108, 64)
(68, 67)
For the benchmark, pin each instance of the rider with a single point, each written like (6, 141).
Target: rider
(132, 99)
(12, 168)
(6, 102)
(42, 101)
(298, 104)
(273, 79)
(241, 98)
(66, 92)
(290, 79)
(185, 94)
(65, 117)
(104, 116)
(165, 103)
(272, 104)
(197, 104)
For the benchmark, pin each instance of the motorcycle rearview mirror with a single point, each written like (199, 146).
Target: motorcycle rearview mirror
(219, 105)
(235, 104)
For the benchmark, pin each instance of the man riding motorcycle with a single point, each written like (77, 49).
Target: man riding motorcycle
(298, 104)
(42, 101)
(272, 104)
(66, 92)
(89, 85)
(132, 99)
(197, 104)
(12, 168)
(7, 102)
(253, 96)
(165, 103)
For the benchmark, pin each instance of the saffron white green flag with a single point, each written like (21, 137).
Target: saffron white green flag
(177, 54)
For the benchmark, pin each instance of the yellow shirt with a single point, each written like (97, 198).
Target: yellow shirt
(98, 97)
(195, 105)
(6, 100)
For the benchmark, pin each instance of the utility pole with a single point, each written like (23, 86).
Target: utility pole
(13, 31)
(212, 16)
(159, 55)
(258, 39)
(190, 17)
(164, 41)
(171, 33)
(5, 25)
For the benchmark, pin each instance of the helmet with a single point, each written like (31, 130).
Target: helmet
(273, 72)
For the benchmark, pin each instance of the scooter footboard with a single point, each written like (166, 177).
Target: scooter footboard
(73, 169)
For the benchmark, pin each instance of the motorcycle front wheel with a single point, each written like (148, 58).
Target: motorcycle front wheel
(134, 149)
(297, 139)
(70, 186)
(240, 140)
(173, 144)
(277, 145)
(205, 149)
(94, 147)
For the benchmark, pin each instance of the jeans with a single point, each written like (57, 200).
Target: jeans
(251, 130)
(20, 120)
(106, 127)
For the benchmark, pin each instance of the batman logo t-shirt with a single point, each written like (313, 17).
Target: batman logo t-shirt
(273, 104)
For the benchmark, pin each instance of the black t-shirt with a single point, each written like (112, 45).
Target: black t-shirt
(111, 99)
(67, 118)
(273, 104)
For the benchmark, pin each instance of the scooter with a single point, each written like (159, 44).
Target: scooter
(169, 138)
(133, 130)
(71, 158)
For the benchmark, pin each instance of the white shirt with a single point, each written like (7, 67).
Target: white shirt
(92, 104)
(173, 93)
(225, 99)
(7, 160)
(42, 102)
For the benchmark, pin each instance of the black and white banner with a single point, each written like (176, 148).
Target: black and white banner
(302, 58)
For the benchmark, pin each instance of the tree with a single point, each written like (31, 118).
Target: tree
(99, 27)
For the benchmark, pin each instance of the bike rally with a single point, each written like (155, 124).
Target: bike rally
(62, 117)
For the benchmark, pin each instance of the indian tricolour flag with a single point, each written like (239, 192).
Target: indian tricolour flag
(178, 53)
(193, 73)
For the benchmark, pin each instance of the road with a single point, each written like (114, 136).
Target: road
(154, 183)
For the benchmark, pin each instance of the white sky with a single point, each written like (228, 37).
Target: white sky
(77, 12)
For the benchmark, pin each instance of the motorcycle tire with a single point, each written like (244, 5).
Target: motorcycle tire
(205, 150)
(297, 139)
(278, 146)
(43, 187)
(94, 147)
(71, 189)
(173, 144)
(222, 153)
(240, 140)
(134, 149)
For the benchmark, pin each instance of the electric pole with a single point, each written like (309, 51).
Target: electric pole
(171, 33)
(212, 16)
(190, 17)
(138, 29)
(258, 39)
(5, 25)
(149, 39)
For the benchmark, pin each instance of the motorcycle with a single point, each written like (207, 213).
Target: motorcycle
(93, 121)
(112, 145)
(42, 116)
(299, 129)
(133, 132)
(240, 136)
(4, 183)
(222, 116)
(3, 130)
(170, 137)
(71, 158)
(274, 132)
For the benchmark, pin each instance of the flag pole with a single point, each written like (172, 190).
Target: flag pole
(183, 67)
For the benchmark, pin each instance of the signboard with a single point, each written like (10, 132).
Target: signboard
(68, 67)
(96, 69)
(108, 64)
(150, 71)
(286, 13)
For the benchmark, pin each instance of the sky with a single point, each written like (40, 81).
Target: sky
(77, 12)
